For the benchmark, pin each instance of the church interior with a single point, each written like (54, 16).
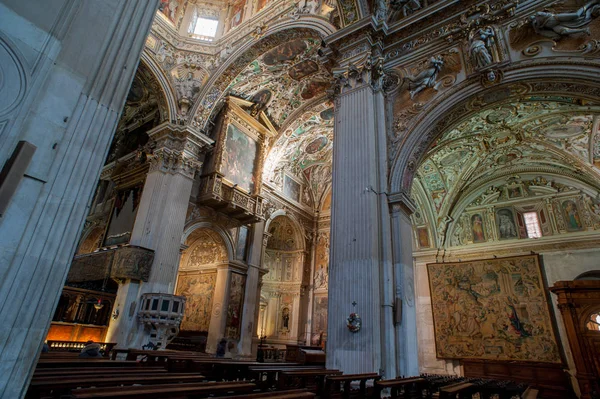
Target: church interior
(300, 199)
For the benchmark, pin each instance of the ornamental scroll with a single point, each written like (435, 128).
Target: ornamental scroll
(492, 309)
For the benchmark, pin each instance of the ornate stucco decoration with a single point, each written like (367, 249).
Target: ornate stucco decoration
(565, 27)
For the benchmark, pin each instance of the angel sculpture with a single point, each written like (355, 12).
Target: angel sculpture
(426, 78)
(405, 7)
(481, 47)
(556, 26)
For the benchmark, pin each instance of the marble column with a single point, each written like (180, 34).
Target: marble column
(218, 318)
(160, 221)
(252, 292)
(360, 265)
(66, 70)
(405, 328)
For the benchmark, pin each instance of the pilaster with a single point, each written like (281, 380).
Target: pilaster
(360, 264)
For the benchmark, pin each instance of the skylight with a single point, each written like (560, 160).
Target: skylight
(206, 28)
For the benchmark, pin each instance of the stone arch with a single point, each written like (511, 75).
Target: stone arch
(550, 77)
(215, 88)
(187, 237)
(298, 231)
(91, 240)
(166, 88)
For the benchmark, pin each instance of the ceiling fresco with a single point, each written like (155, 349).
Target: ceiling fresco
(553, 135)
(304, 150)
(288, 75)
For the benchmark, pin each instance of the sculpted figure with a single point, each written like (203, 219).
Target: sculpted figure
(481, 47)
(556, 26)
(405, 7)
(426, 78)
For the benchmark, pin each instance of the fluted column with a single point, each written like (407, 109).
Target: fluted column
(160, 221)
(360, 265)
(404, 282)
(252, 293)
(66, 71)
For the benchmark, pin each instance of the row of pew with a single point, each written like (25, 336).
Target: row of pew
(187, 375)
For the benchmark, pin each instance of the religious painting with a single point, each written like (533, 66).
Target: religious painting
(169, 9)
(505, 220)
(285, 319)
(240, 252)
(423, 236)
(320, 315)
(313, 89)
(571, 214)
(303, 69)
(316, 145)
(514, 192)
(237, 13)
(477, 228)
(327, 115)
(238, 158)
(198, 290)
(261, 100)
(285, 52)
(291, 188)
(234, 308)
(492, 309)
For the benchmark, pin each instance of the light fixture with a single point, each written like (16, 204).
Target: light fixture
(99, 305)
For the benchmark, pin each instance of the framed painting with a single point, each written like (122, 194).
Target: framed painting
(477, 228)
(291, 188)
(423, 237)
(514, 192)
(198, 290)
(242, 240)
(506, 223)
(492, 309)
(571, 214)
(234, 308)
(239, 156)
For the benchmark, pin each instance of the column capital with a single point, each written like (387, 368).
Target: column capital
(177, 149)
(401, 202)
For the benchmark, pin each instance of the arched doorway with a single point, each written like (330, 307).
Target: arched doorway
(206, 253)
(281, 321)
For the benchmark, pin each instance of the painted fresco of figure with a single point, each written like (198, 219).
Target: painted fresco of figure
(285, 318)
(477, 227)
(506, 224)
(237, 13)
(571, 215)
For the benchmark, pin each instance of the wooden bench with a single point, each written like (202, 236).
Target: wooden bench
(312, 379)
(335, 383)
(291, 394)
(163, 391)
(458, 391)
(401, 387)
(266, 377)
(81, 362)
(75, 371)
(54, 387)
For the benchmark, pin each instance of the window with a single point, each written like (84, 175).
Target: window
(205, 28)
(532, 224)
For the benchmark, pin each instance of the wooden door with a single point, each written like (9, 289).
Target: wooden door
(579, 304)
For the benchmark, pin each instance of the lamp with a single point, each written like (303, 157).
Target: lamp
(99, 305)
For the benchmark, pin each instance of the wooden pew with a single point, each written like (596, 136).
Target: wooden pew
(266, 377)
(55, 387)
(75, 371)
(401, 387)
(334, 384)
(164, 391)
(84, 362)
(530, 393)
(314, 380)
(462, 390)
(291, 394)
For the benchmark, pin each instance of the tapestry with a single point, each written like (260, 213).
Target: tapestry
(234, 308)
(492, 309)
(198, 290)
